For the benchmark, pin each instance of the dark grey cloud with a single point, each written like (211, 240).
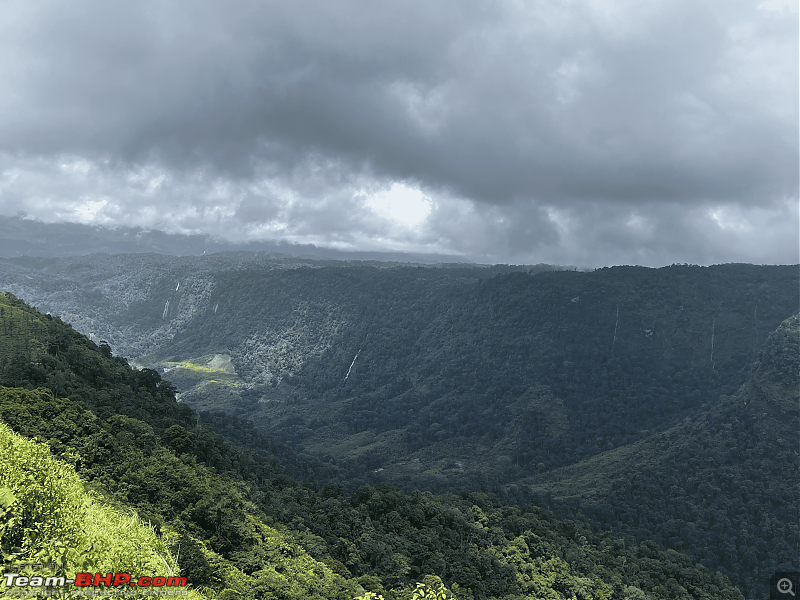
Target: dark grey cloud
(564, 131)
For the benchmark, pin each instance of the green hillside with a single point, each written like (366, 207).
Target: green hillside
(722, 486)
(239, 528)
(456, 379)
(46, 516)
(580, 391)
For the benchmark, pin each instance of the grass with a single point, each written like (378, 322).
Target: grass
(47, 516)
(193, 373)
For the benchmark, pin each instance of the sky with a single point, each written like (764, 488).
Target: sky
(581, 132)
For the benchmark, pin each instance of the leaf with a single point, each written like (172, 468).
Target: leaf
(7, 497)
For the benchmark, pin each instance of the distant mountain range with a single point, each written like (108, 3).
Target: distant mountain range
(27, 237)
(615, 393)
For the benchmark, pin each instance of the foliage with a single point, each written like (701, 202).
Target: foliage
(722, 485)
(226, 546)
(140, 448)
(48, 517)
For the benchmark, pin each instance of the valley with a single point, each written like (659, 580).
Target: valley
(627, 395)
(92, 445)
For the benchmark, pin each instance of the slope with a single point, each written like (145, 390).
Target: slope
(723, 486)
(443, 379)
(227, 513)
(47, 517)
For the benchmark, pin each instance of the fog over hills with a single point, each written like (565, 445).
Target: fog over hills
(28, 237)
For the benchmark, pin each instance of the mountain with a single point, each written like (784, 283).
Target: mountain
(439, 376)
(581, 391)
(237, 527)
(48, 517)
(20, 237)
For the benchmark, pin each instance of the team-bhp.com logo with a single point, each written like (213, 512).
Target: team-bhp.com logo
(90, 580)
(93, 580)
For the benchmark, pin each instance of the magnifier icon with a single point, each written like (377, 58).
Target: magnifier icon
(784, 586)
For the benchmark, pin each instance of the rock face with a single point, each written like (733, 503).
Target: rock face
(510, 372)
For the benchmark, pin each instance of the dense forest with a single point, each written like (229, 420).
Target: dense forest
(614, 394)
(239, 527)
(439, 377)
(723, 486)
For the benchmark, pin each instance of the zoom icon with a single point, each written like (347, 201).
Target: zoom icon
(783, 584)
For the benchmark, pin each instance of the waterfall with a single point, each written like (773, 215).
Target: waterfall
(615, 329)
(351, 364)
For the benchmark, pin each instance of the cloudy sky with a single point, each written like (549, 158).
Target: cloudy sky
(586, 132)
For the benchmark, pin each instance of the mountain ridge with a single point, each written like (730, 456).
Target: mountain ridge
(746, 478)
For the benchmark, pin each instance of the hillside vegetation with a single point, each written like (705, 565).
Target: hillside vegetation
(46, 516)
(246, 530)
(723, 485)
(610, 393)
(439, 377)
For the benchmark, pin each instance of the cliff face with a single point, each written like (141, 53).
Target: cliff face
(645, 398)
(149, 455)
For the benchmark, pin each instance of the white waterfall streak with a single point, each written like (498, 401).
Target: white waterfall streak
(615, 329)
(755, 331)
(713, 325)
(351, 364)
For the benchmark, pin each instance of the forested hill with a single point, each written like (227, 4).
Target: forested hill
(435, 377)
(238, 528)
(723, 486)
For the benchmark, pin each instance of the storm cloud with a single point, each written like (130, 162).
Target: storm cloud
(587, 133)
